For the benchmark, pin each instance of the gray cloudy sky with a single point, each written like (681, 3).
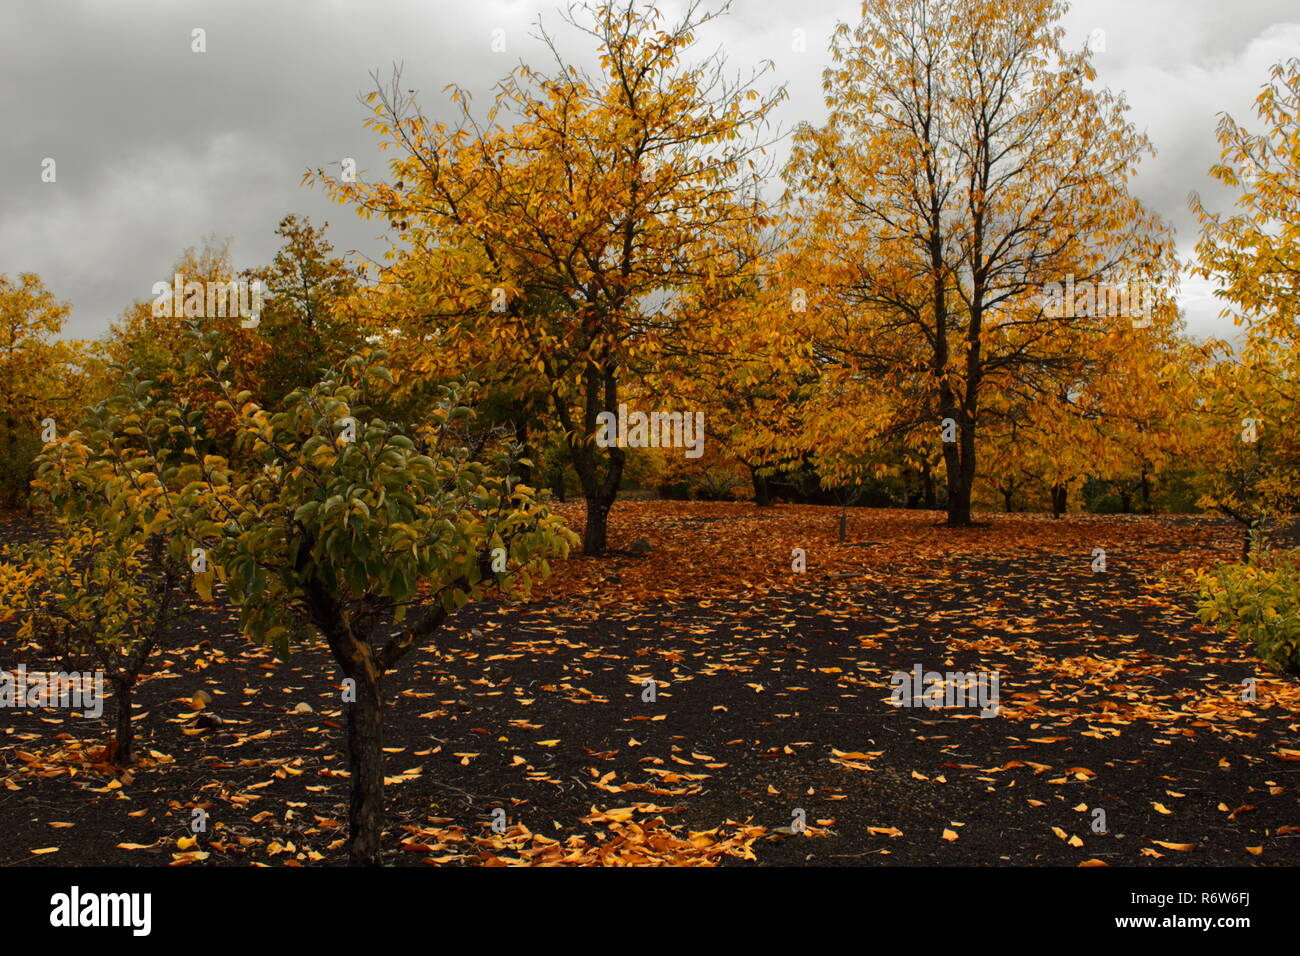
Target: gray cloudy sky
(157, 147)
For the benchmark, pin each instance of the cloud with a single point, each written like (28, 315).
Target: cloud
(158, 146)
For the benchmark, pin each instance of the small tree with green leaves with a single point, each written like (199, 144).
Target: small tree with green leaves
(368, 531)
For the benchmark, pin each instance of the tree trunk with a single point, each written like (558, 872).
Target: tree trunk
(1060, 498)
(521, 436)
(762, 494)
(122, 735)
(927, 486)
(959, 505)
(600, 495)
(358, 661)
(366, 762)
(594, 534)
(1007, 494)
(1249, 539)
(959, 457)
(959, 514)
(599, 490)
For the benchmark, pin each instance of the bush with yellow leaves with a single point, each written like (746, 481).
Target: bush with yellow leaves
(89, 596)
(118, 570)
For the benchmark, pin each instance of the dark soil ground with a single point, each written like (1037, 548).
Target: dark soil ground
(1113, 698)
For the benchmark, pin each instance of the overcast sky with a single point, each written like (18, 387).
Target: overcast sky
(157, 146)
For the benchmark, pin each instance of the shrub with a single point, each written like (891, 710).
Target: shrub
(89, 595)
(1262, 601)
(17, 467)
(118, 572)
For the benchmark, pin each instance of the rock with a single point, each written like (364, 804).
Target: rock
(640, 547)
(207, 721)
(302, 708)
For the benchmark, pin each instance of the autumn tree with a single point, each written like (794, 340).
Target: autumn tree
(1254, 255)
(44, 381)
(1124, 422)
(555, 234)
(967, 167)
(302, 330)
(742, 362)
(153, 336)
(1244, 443)
(1251, 461)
